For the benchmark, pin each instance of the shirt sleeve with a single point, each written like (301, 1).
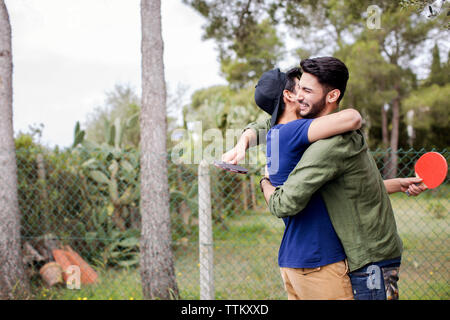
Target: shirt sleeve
(300, 133)
(320, 163)
(261, 128)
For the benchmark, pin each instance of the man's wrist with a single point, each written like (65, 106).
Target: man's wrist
(261, 182)
(249, 138)
(244, 142)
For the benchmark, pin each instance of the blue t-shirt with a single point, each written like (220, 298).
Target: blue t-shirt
(309, 240)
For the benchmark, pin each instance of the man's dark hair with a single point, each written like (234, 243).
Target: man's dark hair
(331, 73)
(291, 75)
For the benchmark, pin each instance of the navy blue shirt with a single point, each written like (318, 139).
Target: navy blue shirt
(309, 240)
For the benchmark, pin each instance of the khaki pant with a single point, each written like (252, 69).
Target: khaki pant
(329, 282)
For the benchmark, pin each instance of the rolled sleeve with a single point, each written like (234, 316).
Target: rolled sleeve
(261, 128)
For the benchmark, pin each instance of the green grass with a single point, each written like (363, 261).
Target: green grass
(112, 285)
(424, 226)
(245, 259)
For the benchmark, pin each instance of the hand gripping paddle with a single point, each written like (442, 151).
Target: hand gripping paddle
(432, 169)
(230, 167)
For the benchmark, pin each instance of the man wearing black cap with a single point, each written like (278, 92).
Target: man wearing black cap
(346, 176)
(311, 258)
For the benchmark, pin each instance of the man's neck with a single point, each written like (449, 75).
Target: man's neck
(286, 117)
(329, 108)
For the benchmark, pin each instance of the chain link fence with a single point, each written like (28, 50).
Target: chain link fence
(88, 203)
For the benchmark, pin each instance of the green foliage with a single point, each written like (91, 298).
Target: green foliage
(431, 115)
(439, 72)
(121, 103)
(113, 172)
(78, 135)
(24, 141)
(245, 34)
(229, 19)
(431, 105)
(439, 10)
(119, 248)
(54, 200)
(93, 195)
(258, 53)
(223, 108)
(88, 191)
(379, 60)
(370, 86)
(183, 188)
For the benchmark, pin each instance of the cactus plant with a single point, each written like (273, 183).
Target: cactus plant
(111, 172)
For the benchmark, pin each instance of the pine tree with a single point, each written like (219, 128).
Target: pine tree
(13, 281)
(157, 263)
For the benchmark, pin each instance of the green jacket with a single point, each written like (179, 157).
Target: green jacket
(345, 173)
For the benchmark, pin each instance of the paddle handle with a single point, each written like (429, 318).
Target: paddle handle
(417, 184)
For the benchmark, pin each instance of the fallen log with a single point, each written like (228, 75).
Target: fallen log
(88, 275)
(51, 273)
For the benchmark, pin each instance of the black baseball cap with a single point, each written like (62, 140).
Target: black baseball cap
(269, 93)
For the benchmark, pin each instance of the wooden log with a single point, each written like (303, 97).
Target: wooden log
(46, 245)
(51, 273)
(88, 275)
(30, 254)
(63, 260)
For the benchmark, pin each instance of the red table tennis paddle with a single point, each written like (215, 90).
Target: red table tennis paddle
(230, 167)
(432, 169)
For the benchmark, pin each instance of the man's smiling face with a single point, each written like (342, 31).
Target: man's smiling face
(311, 96)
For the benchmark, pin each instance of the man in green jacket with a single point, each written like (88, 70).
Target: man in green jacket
(342, 169)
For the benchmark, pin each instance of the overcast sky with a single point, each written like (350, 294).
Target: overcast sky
(67, 54)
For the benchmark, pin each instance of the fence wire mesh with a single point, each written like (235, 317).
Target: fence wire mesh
(89, 202)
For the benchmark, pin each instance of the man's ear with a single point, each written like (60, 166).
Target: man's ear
(289, 96)
(333, 95)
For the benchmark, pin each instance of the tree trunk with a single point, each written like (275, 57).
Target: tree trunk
(385, 139)
(384, 126)
(43, 195)
(252, 192)
(13, 280)
(183, 209)
(157, 262)
(410, 127)
(394, 137)
(245, 193)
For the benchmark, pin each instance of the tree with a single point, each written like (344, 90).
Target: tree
(245, 34)
(429, 105)
(124, 103)
(250, 58)
(369, 87)
(121, 103)
(400, 36)
(438, 74)
(431, 120)
(157, 263)
(339, 28)
(13, 280)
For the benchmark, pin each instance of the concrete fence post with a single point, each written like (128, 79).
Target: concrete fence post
(206, 249)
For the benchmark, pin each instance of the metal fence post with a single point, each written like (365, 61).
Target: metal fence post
(205, 233)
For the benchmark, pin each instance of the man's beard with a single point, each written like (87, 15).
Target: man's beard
(315, 109)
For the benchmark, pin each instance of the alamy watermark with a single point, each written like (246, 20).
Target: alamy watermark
(73, 281)
(195, 145)
(373, 20)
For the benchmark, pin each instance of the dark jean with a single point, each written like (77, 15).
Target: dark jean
(375, 283)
